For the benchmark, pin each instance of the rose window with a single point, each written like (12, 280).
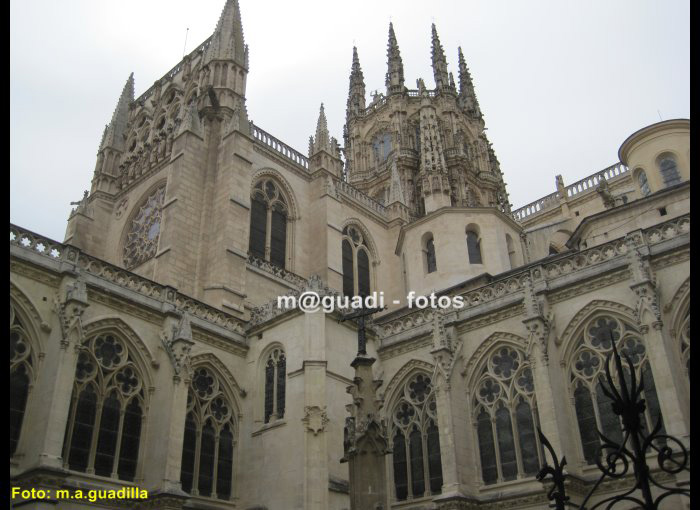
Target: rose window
(144, 230)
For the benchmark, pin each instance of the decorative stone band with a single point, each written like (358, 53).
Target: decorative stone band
(59, 252)
(514, 284)
(277, 271)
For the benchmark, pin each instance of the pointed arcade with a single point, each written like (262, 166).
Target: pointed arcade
(394, 75)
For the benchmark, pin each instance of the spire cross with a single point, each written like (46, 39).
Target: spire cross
(360, 314)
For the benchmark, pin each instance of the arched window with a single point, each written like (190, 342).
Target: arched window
(643, 182)
(356, 262)
(268, 223)
(512, 258)
(429, 259)
(416, 441)
(505, 417)
(275, 381)
(474, 247)
(669, 169)
(104, 425)
(207, 450)
(144, 230)
(684, 340)
(381, 145)
(21, 376)
(587, 371)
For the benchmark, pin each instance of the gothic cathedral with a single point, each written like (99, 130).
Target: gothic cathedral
(149, 349)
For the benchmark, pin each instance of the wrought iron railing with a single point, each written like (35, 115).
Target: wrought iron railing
(616, 460)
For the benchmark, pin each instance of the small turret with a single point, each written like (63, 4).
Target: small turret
(323, 149)
(394, 75)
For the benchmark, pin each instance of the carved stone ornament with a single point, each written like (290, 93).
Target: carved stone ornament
(70, 308)
(178, 345)
(315, 419)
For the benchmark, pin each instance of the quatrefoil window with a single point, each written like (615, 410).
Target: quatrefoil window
(144, 230)
(108, 351)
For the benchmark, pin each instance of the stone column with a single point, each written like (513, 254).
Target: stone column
(365, 442)
(167, 411)
(52, 393)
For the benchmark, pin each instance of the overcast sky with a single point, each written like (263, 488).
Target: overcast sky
(561, 83)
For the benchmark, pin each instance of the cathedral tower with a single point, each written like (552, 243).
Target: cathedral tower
(172, 163)
(434, 138)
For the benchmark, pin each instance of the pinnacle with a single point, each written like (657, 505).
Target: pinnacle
(227, 41)
(114, 133)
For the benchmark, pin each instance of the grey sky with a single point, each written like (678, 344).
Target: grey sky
(561, 83)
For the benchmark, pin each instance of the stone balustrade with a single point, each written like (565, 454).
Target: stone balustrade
(116, 275)
(279, 147)
(587, 184)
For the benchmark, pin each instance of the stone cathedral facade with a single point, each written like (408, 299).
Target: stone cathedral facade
(147, 349)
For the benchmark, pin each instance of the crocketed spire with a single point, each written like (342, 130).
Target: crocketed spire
(467, 95)
(227, 41)
(356, 96)
(322, 139)
(114, 133)
(439, 63)
(394, 75)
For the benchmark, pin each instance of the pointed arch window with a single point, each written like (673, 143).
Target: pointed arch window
(685, 344)
(474, 247)
(21, 376)
(144, 230)
(429, 259)
(107, 407)
(209, 440)
(268, 223)
(416, 441)
(275, 382)
(505, 418)
(587, 370)
(356, 263)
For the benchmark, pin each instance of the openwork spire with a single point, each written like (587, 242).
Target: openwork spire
(439, 63)
(227, 41)
(467, 95)
(116, 129)
(394, 75)
(356, 96)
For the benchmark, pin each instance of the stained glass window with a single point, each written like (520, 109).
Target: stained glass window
(20, 376)
(275, 381)
(669, 170)
(593, 408)
(473, 248)
(416, 455)
(207, 450)
(356, 263)
(505, 410)
(107, 402)
(144, 230)
(430, 260)
(268, 223)
(643, 183)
